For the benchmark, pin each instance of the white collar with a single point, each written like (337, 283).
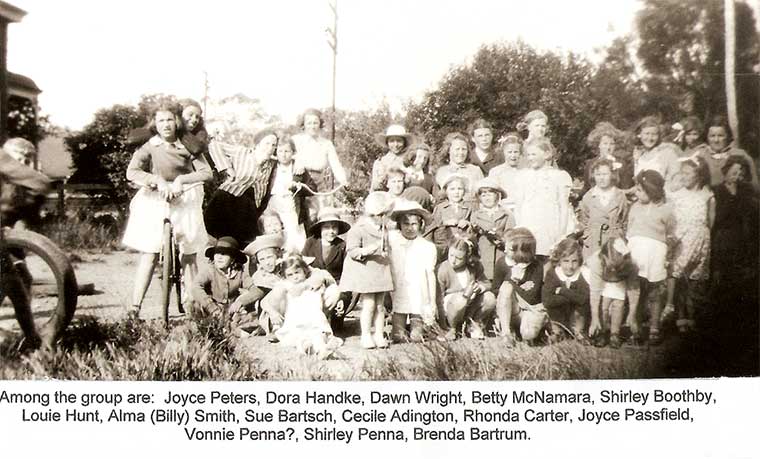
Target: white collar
(157, 141)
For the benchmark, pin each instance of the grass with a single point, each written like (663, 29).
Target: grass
(206, 347)
(200, 349)
(82, 233)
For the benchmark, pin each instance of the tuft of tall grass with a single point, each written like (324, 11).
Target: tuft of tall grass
(82, 233)
(491, 360)
(199, 349)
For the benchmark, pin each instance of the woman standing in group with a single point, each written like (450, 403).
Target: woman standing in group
(236, 205)
(318, 157)
(719, 148)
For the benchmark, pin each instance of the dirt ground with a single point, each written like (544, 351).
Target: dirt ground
(112, 277)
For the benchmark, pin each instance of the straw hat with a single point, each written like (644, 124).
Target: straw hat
(489, 183)
(394, 130)
(377, 203)
(405, 206)
(266, 241)
(328, 214)
(227, 245)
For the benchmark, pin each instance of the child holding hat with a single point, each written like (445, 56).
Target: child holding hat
(489, 222)
(413, 261)
(328, 250)
(224, 283)
(367, 268)
(396, 140)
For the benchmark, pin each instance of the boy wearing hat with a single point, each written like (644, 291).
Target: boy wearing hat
(224, 283)
(489, 222)
(329, 252)
(413, 261)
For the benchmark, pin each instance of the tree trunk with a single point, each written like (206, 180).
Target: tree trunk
(733, 118)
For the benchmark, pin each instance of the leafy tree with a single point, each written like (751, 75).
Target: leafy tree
(24, 121)
(355, 143)
(503, 83)
(680, 47)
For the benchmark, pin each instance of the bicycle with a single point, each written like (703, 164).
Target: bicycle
(169, 259)
(39, 280)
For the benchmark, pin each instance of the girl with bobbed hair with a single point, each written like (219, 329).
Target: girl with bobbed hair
(456, 148)
(484, 155)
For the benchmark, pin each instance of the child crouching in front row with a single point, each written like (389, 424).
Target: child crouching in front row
(566, 291)
(467, 297)
(308, 294)
(518, 278)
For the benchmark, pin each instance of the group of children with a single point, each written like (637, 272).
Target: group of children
(488, 243)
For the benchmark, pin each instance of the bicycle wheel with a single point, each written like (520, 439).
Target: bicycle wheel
(51, 283)
(177, 279)
(167, 271)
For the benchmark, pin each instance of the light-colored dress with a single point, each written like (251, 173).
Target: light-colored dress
(305, 326)
(413, 271)
(692, 254)
(543, 205)
(319, 158)
(471, 171)
(507, 178)
(663, 158)
(283, 202)
(147, 210)
(370, 274)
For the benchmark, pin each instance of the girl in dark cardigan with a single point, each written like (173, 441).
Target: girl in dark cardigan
(565, 292)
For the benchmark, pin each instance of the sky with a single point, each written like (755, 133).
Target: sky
(87, 55)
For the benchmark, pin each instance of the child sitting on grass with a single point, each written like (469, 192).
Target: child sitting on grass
(467, 298)
(565, 292)
(264, 252)
(224, 285)
(517, 281)
(308, 294)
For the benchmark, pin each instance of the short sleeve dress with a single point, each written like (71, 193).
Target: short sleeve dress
(692, 254)
(371, 274)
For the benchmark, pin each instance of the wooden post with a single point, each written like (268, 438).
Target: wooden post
(730, 68)
(3, 80)
(61, 207)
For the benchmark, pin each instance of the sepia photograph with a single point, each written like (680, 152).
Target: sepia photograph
(368, 190)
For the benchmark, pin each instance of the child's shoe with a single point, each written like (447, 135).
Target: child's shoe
(398, 328)
(655, 337)
(476, 331)
(417, 326)
(451, 335)
(367, 342)
(380, 341)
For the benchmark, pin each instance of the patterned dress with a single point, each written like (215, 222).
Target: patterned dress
(692, 255)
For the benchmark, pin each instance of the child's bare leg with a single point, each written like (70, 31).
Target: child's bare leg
(505, 305)
(455, 312)
(633, 292)
(379, 321)
(189, 271)
(616, 315)
(142, 277)
(605, 314)
(367, 317)
(655, 298)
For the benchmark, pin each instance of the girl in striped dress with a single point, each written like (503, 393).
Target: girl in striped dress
(234, 208)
